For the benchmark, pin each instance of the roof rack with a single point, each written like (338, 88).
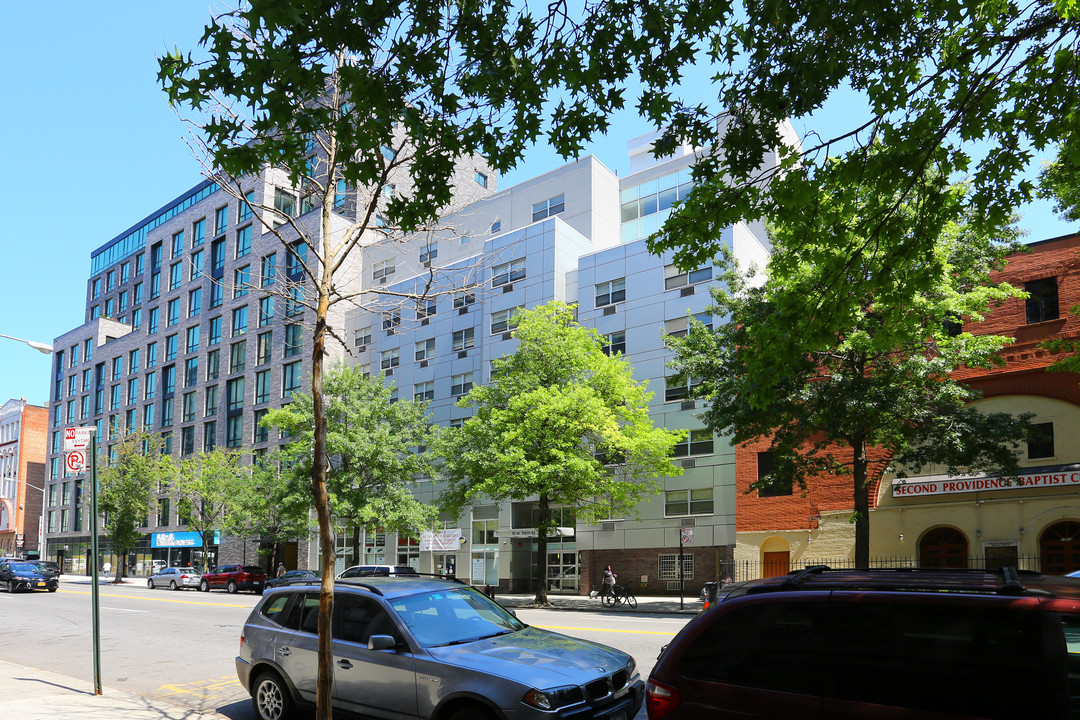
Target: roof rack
(907, 578)
(384, 573)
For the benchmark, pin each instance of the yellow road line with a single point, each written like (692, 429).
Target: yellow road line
(199, 687)
(609, 630)
(156, 599)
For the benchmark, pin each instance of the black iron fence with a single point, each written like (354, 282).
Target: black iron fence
(738, 570)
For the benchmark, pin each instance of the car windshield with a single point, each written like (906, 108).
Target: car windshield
(452, 617)
(27, 567)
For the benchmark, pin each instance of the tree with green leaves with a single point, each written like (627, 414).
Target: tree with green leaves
(127, 483)
(374, 447)
(206, 488)
(355, 96)
(561, 422)
(875, 372)
(271, 505)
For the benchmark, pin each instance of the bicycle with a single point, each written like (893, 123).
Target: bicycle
(619, 594)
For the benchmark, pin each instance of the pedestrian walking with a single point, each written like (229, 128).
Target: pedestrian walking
(280, 569)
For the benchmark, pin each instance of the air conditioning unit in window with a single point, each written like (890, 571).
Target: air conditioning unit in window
(423, 363)
(507, 288)
(389, 372)
(423, 322)
(689, 462)
(463, 311)
(607, 526)
(426, 263)
(463, 353)
(686, 291)
(688, 522)
(507, 336)
(609, 310)
(389, 332)
(382, 281)
(688, 405)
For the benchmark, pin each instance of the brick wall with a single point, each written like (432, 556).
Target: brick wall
(630, 564)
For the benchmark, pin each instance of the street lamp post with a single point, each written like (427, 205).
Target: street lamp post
(44, 348)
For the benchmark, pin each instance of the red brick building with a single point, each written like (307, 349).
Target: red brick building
(23, 432)
(936, 520)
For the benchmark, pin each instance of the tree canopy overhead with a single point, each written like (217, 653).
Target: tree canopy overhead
(970, 88)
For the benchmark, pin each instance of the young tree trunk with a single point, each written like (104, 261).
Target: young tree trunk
(861, 503)
(541, 550)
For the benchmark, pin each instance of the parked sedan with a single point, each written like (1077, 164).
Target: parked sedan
(234, 578)
(174, 578)
(26, 575)
(293, 575)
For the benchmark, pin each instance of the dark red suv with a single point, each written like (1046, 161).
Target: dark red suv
(234, 578)
(898, 644)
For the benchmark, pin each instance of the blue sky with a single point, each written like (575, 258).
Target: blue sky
(92, 147)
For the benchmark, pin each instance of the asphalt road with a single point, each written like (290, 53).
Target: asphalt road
(180, 645)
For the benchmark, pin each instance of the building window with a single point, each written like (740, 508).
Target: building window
(168, 379)
(217, 293)
(679, 327)
(463, 298)
(264, 348)
(697, 442)
(221, 220)
(464, 339)
(192, 339)
(668, 567)
(117, 368)
(262, 386)
(234, 429)
(766, 464)
(424, 392)
(187, 440)
(461, 384)
(295, 260)
(269, 270)
(210, 405)
(148, 416)
(214, 331)
(362, 337)
(1041, 442)
(389, 359)
(676, 278)
(170, 348)
(266, 311)
(167, 413)
(547, 208)
(391, 320)
(151, 386)
(504, 320)
(609, 293)
(151, 355)
(284, 202)
(191, 372)
(194, 302)
(382, 270)
(234, 393)
(136, 292)
(239, 321)
(123, 303)
(209, 435)
(496, 227)
(110, 280)
(481, 179)
(508, 272)
(260, 434)
(679, 389)
(614, 343)
(237, 357)
(425, 308)
(290, 379)
(688, 502)
(133, 361)
(95, 288)
(243, 241)
(198, 232)
(425, 349)
(429, 251)
(176, 275)
(241, 281)
(114, 397)
(213, 364)
(1042, 302)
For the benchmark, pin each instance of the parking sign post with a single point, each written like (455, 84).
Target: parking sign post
(80, 444)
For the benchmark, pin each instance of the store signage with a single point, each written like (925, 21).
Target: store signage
(913, 487)
(181, 539)
(441, 541)
(517, 533)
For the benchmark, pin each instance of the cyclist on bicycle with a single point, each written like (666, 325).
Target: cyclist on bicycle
(608, 585)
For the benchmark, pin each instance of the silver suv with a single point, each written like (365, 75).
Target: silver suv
(411, 646)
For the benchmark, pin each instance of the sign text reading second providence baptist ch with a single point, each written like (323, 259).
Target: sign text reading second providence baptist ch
(910, 487)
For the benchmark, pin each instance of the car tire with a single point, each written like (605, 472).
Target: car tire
(232, 587)
(204, 586)
(150, 583)
(472, 712)
(11, 586)
(270, 697)
(172, 585)
(52, 589)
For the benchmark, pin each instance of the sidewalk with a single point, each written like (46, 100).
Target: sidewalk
(33, 694)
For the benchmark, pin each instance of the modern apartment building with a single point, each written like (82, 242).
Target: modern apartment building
(23, 431)
(575, 234)
(194, 329)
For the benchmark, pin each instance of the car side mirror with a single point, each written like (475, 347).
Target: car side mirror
(381, 642)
